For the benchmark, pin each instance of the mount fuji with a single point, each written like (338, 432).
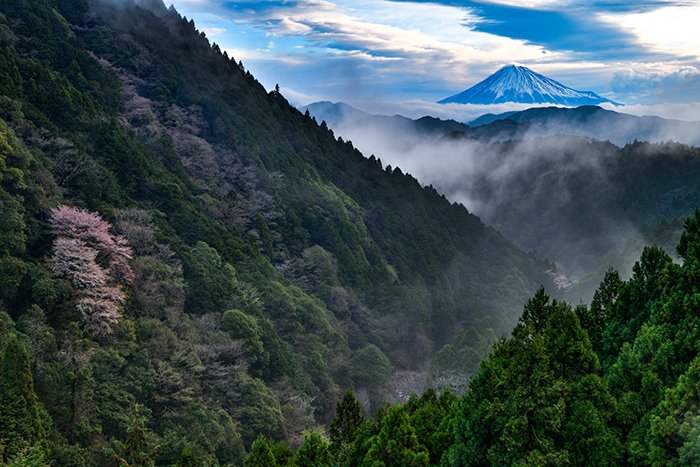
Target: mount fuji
(519, 84)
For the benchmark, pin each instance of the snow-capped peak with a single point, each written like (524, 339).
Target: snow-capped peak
(515, 83)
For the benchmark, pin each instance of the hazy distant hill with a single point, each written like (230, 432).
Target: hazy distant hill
(340, 114)
(602, 124)
(590, 121)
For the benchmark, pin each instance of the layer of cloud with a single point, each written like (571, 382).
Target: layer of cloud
(681, 85)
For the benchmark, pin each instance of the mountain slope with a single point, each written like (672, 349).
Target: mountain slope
(521, 85)
(273, 264)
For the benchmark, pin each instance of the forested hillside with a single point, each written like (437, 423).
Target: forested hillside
(187, 262)
(616, 383)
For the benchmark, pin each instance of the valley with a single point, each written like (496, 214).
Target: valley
(543, 180)
(195, 271)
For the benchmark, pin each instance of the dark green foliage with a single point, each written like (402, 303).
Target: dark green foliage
(674, 422)
(211, 282)
(200, 433)
(136, 449)
(283, 454)
(187, 459)
(594, 319)
(243, 327)
(232, 200)
(348, 419)
(21, 420)
(431, 416)
(370, 367)
(538, 398)
(265, 236)
(258, 410)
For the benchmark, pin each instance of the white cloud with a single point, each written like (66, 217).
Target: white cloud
(672, 29)
(539, 4)
(211, 32)
(689, 111)
(655, 83)
(433, 39)
(296, 98)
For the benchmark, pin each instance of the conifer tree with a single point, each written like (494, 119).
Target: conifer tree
(314, 452)
(260, 454)
(347, 420)
(21, 424)
(397, 443)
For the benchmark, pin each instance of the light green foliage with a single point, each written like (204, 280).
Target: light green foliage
(260, 454)
(243, 327)
(313, 452)
(396, 444)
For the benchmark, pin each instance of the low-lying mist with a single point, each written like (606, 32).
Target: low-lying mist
(584, 204)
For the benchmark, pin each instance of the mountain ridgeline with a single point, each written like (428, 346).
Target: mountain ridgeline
(189, 262)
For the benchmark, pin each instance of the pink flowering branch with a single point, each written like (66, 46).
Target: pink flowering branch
(89, 227)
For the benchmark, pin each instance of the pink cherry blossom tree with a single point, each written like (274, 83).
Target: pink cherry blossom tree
(113, 250)
(95, 261)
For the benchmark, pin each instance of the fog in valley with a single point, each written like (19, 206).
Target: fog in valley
(583, 204)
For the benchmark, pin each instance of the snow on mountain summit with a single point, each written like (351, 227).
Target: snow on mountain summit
(519, 84)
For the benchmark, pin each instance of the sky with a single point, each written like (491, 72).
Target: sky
(413, 53)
